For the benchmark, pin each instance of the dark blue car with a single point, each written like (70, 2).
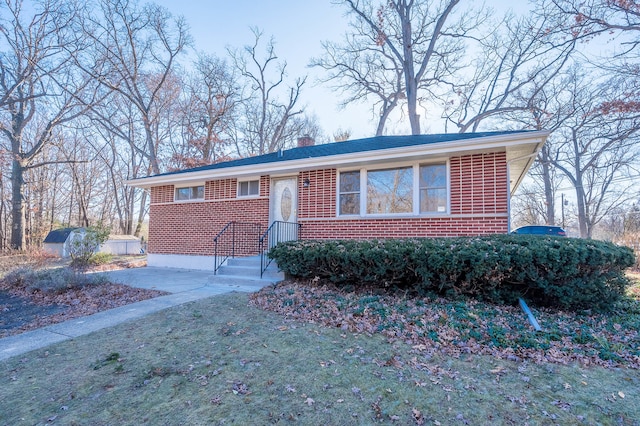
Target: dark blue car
(541, 230)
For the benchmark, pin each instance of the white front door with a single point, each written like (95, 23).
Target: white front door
(284, 208)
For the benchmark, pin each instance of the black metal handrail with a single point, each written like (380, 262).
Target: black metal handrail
(235, 238)
(276, 233)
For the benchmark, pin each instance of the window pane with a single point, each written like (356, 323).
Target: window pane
(390, 191)
(190, 193)
(197, 192)
(433, 188)
(350, 182)
(433, 176)
(244, 188)
(433, 200)
(182, 193)
(350, 203)
(254, 187)
(249, 187)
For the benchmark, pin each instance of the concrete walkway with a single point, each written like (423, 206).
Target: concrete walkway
(183, 284)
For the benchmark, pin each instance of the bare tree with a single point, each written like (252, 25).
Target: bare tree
(362, 68)
(268, 122)
(593, 17)
(596, 147)
(114, 138)
(211, 100)
(400, 50)
(516, 63)
(134, 54)
(616, 22)
(546, 110)
(40, 89)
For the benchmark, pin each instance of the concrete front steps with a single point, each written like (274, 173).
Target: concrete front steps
(245, 271)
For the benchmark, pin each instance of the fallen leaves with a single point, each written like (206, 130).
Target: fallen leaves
(77, 302)
(456, 328)
(240, 388)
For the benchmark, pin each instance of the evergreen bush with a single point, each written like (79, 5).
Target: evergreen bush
(566, 273)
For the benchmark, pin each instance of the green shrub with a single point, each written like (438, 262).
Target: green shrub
(56, 280)
(100, 259)
(549, 271)
(83, 244)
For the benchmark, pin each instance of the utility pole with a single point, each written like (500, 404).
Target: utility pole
(563, 203)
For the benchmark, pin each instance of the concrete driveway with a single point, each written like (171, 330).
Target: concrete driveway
(183, 284)
(174, 280)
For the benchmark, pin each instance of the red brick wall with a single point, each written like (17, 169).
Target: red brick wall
(479, 184)
(478, 205)
(319, 199)
(189, 227)
(162, 194)
(221, 189)
(403, 227)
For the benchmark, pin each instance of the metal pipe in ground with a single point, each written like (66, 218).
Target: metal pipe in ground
(527, 311)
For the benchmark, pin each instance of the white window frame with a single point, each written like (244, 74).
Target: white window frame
(191, 186)
(446, 187)
(385, 169)
(416, 189)
(248, 182)
(349, 192)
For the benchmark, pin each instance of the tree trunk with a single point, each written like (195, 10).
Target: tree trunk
(151, 148)
(410, 73)
(548, 187)
(143, 202)
(582, 210)
(18, 239)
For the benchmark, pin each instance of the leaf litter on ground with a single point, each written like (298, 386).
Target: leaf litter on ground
(189, 365)
(457, 327)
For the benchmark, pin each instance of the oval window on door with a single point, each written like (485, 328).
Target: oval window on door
(285, 204)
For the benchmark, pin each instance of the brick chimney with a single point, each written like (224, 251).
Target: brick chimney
(306, 141)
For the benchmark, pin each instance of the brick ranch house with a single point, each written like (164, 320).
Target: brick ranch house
(386, 186)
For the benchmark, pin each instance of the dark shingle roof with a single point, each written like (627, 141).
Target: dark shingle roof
(58, 235)
(348, 147)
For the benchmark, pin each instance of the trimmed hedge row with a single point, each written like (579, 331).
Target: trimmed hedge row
(566, 273)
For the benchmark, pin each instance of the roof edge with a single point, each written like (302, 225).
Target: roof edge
(447, 147)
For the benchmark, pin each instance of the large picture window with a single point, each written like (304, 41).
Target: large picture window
(350, 193)
(190, 193)
(411, 189)
(390, 191)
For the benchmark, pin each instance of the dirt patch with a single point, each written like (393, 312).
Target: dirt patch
(24, 308)
(18, 312)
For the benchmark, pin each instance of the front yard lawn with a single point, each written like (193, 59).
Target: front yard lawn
(347, 360)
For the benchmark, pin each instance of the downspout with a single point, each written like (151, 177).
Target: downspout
(508, 198)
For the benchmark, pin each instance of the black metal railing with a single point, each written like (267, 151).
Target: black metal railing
(276, 233)
(236, 239)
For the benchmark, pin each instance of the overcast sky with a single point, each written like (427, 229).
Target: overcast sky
(298, 28)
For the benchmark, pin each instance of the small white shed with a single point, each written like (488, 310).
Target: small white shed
(57, 243)
(122, 244)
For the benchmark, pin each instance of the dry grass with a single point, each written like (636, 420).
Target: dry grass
(634, 290)
(221, 361)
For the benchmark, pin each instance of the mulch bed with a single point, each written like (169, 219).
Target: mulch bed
(22, 310)
(16, 312)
